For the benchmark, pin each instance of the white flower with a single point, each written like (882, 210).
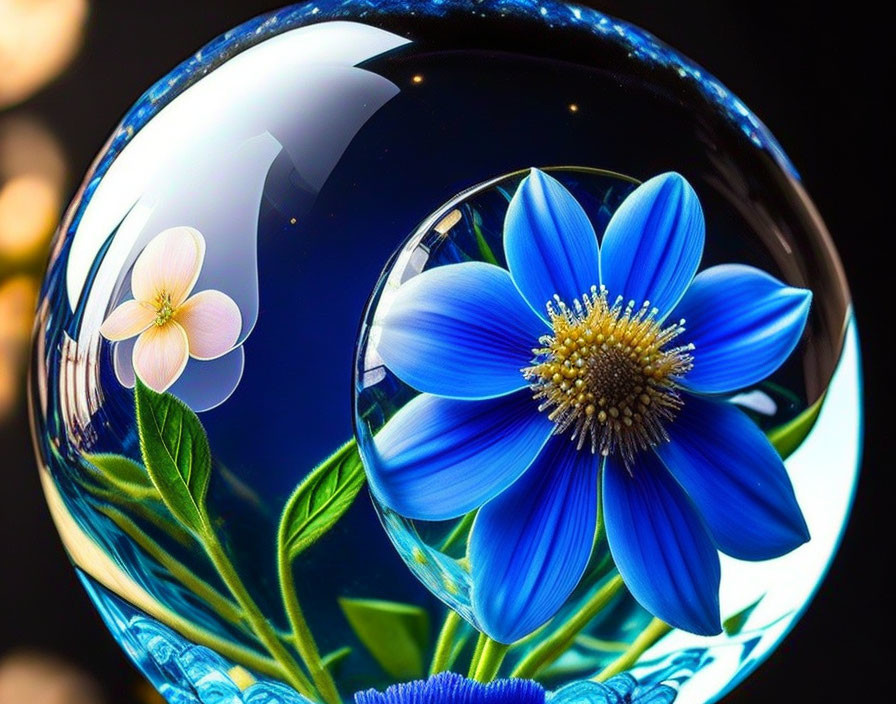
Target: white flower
(173, 326)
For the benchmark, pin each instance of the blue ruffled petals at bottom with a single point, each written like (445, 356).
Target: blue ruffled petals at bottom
(201, 674)
(451, 688)
(621, 689)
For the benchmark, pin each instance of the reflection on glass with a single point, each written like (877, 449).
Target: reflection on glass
(220, 518)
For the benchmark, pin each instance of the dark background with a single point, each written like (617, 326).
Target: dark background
(816, 73)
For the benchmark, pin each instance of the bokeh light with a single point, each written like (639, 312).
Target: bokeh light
(27, 206)
(17, 297)
(32, 185)
(32, 179)
(38, 39)
(37, 678)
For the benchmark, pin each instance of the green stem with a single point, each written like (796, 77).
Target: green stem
(490, 660)
(477, 654)
(142, 509)
(262, 627)
(460, 531)
(303, 638)
(655, 630)
(552, 647)
(445, 643)
(238, 653)
(603, 646)
(223, 606)
(331, 659)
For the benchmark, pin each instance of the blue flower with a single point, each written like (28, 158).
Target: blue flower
(451, 688)
(194, 674)
(621, 689)
(575, 341)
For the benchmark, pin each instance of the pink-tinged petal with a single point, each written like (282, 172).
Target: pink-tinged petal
(206, 385)
(212, 321)
(169, 265)
(129, 319)
(160, 355)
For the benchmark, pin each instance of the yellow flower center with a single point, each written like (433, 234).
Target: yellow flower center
(164, 309)
(608, 373)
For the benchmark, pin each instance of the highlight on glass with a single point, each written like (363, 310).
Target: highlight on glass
(406, 384)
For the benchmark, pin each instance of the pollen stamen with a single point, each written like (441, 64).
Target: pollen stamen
(607, 374)
(164, 309)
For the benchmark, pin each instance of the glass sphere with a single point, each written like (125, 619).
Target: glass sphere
(215, 371)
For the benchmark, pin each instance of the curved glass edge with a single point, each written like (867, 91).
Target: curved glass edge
(850, 359)
(773, 620)
(637, 41)
(186, 673)
(181, 671)
(266, 26)
(725, 661)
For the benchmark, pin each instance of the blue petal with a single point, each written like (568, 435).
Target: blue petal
(623, 684)
(658, 693)
(268, 692)
(451, 688)
(440, 458)
(660, 545)
(460, 330)
(621, 689)
(743, 323)
(586, 692)
(736, 479)
(207, 673)
(653, 243)
(530, 545)
(549, 242)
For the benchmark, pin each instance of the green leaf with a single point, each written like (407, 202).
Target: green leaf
(484, 250)
(396, 635)
(788, 437)
(734, 624)
(321, 500)
(176, 454)
(124, 474)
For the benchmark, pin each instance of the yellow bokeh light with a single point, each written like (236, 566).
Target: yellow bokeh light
(32, 183)
(28, 208)
(18, 295)
(32, 179)
(40, 678)
(38, 39)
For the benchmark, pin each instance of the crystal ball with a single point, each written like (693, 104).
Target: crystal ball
(493, 342)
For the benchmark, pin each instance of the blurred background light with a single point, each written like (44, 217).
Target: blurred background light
(27, 205)
(32, 183)
(17, 298)
(38, 39)
(32, 189)
(36, 678)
